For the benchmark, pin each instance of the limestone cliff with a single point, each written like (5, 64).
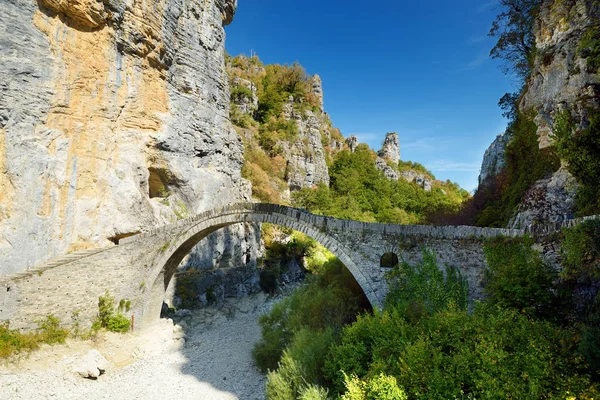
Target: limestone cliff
(306, 164)
(564, 78)
(493, 158)
(114, 118)
(288, 136)
(561, 77)
(391, 147)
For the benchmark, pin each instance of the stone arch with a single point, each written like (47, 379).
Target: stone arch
(166, 264)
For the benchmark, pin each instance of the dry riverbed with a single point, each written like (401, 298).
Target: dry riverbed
(205, 356)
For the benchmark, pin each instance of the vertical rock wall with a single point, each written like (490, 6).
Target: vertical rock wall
(113, 119)
(561, 79)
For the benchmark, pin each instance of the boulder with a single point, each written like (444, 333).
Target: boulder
(92, 365)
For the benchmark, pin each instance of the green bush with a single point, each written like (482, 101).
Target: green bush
(581, 151)
(50, 332)
(108, 317)
(491, 353)
(589, 48)
(313, 392)
(12, 341)
(329, 301)
(307, 349)
(424, 288)
(381, 387)
(240, 93)
(287, 382)
(415, 166)
(516, 276)
(581, 252)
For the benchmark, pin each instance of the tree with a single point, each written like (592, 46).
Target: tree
(514, 28)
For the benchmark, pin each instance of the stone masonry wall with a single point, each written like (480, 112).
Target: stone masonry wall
(141, 267)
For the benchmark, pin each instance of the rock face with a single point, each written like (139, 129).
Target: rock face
(493, 158)
(317, 90)
(388, 171)
(391, 148)
(352, 142)
(409, 175)
(244, 103)
(548, 200)
(561, 77)
(306, 166)
(114, 118)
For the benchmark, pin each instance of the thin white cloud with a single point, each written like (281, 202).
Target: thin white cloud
(444, 165)
(477, 62)
(421, 144)
(477, 39)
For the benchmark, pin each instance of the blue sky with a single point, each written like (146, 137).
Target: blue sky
(417, 68)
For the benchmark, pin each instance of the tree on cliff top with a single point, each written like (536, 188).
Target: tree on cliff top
(514, 28)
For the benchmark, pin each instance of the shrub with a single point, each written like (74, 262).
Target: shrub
(12, 341)
(581, 151)
(313, 392)
(492, 353)
(50, 332)
(308, 348)
(423, 287)
(581, 252)
(108, 317)
(275, 336)
(287, 382)
(516, 276)
(329, 301)
(381, 387)
(589, 48)
(240, 93)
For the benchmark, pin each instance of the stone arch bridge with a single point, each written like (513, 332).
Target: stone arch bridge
(140, 267)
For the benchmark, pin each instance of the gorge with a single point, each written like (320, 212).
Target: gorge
(146, 172)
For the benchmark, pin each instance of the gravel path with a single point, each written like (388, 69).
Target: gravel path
(208, 359)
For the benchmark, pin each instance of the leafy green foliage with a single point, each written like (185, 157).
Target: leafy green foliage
(414, 166)
(361, 192)
(425, 345)
(278, 84)
(581, 252)
(422, 288)
(329, 301)
(517, 277)
(589, 48)
(13, 342)
(490, 353)
(239, 93)
(495, 201)
(581, 151)
(308, 347)
(289, 383)
(380, 387)
(516, 40)
(108, 317)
